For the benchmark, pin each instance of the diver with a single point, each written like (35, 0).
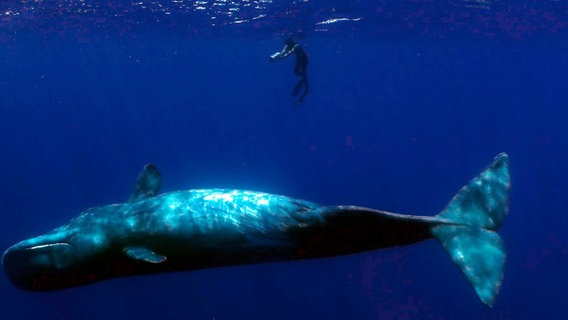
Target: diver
(300, 69)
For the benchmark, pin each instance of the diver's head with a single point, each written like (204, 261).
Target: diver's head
(290, 43)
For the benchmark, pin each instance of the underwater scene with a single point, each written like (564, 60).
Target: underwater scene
(279, 159)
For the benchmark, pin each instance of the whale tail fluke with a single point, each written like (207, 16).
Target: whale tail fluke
(468, 231)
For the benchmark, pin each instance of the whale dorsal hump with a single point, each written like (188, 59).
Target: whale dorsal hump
(148, 183)
(144, 254)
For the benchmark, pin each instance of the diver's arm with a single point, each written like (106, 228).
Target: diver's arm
(282, 54)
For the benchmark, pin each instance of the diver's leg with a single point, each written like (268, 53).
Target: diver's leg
(298, 70)
(304, 82)
(298, 87)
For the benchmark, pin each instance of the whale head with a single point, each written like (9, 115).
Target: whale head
(86, 249)
(36, 263)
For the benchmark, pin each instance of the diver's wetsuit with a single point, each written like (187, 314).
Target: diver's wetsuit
(300, 69)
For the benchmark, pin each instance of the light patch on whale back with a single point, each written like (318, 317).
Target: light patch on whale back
(234, 196)
(174, 203)
(219, 196)
(131, 222)
(98, 239)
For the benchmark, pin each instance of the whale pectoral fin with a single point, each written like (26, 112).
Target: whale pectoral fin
(144, 254)
(148, 183)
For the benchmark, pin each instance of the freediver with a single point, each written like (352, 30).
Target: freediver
(300, 69)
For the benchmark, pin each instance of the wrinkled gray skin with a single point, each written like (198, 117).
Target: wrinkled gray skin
(186, 230)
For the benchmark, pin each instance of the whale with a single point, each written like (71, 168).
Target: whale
(157, 232)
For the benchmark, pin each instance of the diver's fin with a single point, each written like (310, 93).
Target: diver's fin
(467, 233)
(144, 254)
(148, 183)
(301, 98)
(298, 87)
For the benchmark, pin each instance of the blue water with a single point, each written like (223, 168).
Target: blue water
(408, 102)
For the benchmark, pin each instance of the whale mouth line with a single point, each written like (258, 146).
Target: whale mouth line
(47, 245)
(41, 258)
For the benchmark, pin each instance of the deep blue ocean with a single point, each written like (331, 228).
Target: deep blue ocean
(409, 101)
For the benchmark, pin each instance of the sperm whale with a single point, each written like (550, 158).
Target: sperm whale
(195, 229)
